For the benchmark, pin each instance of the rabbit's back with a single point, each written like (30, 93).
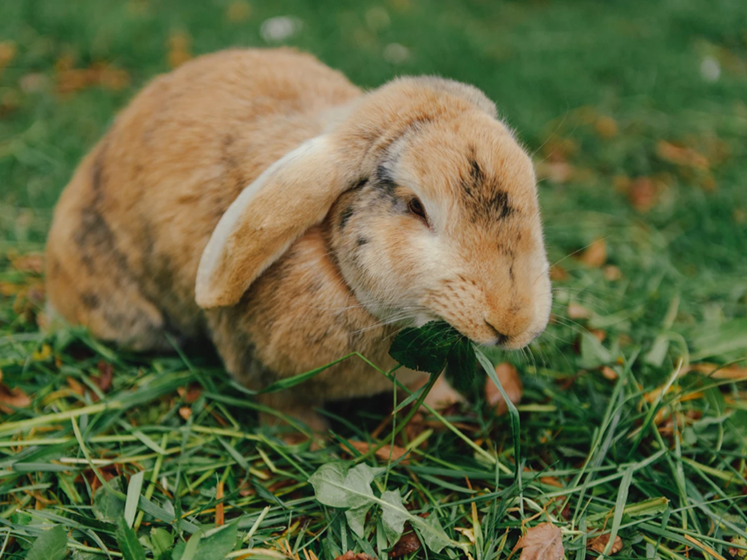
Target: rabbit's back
(131, 225)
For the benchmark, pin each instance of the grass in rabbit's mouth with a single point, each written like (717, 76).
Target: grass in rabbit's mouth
(633, 418)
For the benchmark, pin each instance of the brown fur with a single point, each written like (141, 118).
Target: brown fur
(319, 256)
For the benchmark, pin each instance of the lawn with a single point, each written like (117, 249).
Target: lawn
(633, 424)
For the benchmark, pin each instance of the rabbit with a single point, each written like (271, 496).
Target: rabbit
(259, 198)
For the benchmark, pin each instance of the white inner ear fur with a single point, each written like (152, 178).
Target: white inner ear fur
(208, 269)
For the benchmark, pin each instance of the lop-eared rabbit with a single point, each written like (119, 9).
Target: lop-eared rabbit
(259, 198)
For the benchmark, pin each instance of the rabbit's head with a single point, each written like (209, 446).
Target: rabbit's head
(432, 211)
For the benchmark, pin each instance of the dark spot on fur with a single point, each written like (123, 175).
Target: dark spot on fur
(385, 180)
(499, 205)
(97, 171)
(511, 272)
(485, 197)
(345, 215)
(476, 174)
(90, 300)
(315, 286)
(362, 241)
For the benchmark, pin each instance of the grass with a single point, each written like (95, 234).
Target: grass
(634, 417)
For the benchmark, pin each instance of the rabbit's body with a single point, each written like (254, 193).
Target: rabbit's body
(132, 227)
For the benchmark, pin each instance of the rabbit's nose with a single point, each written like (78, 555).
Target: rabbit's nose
(510, 321)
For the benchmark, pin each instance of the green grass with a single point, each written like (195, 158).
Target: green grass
(612, 100)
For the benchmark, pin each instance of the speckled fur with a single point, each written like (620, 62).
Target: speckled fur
(326, 256)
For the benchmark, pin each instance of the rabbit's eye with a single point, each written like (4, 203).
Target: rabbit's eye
(416, 208)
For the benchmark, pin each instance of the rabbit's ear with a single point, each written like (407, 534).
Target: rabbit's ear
(292, 195)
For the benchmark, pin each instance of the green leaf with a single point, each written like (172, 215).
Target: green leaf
(215, 546)
(338, 486)
(461, 363)
(426, 348)
(129, 546)
(190, 549)
(162, 541)
(218, 543)
(133, 496)
(512, 411)
(50, 545)
(393, 518)
(106, 506)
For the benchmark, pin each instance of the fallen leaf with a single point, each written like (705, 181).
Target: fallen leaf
(599, 334)
(75, 386)
(106, 374)
(350, 555)
(191, 393)
(31, 262)
(10, 399)
(681, 155)
(558, 273)
(612, 273)
(606, 127)
(71, 79)
(385, 453)
(407, 544)
(643, 194)
(220, 518)
(7, 53)
(185, 412)
(543, 542)
(733, 371)
(511, 382)
(558, 172)
(609, 373)
(238, 11)
(599, 543)
(595, 254)
(551, 481)
(179, 51)
(578, 311)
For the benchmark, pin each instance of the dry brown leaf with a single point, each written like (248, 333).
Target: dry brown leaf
(179, 51)
(543, 542)
(7, 53)
(31, 262)
(555, 171)
(551, 481)
(643, 194)
(238, 11)
(599, 543)
(387, 451)
(106, 374)
(681, 155)
(407, 544)
(220, 517)
(733, 372)
(75, 386)
(606, 127)
(609, 373)
(511, 382)
(185, 412)
(612, 273)
(12, 398)
(595, 254)
(191, 393)
(578, 311)
(558, 273)
(350, 555)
